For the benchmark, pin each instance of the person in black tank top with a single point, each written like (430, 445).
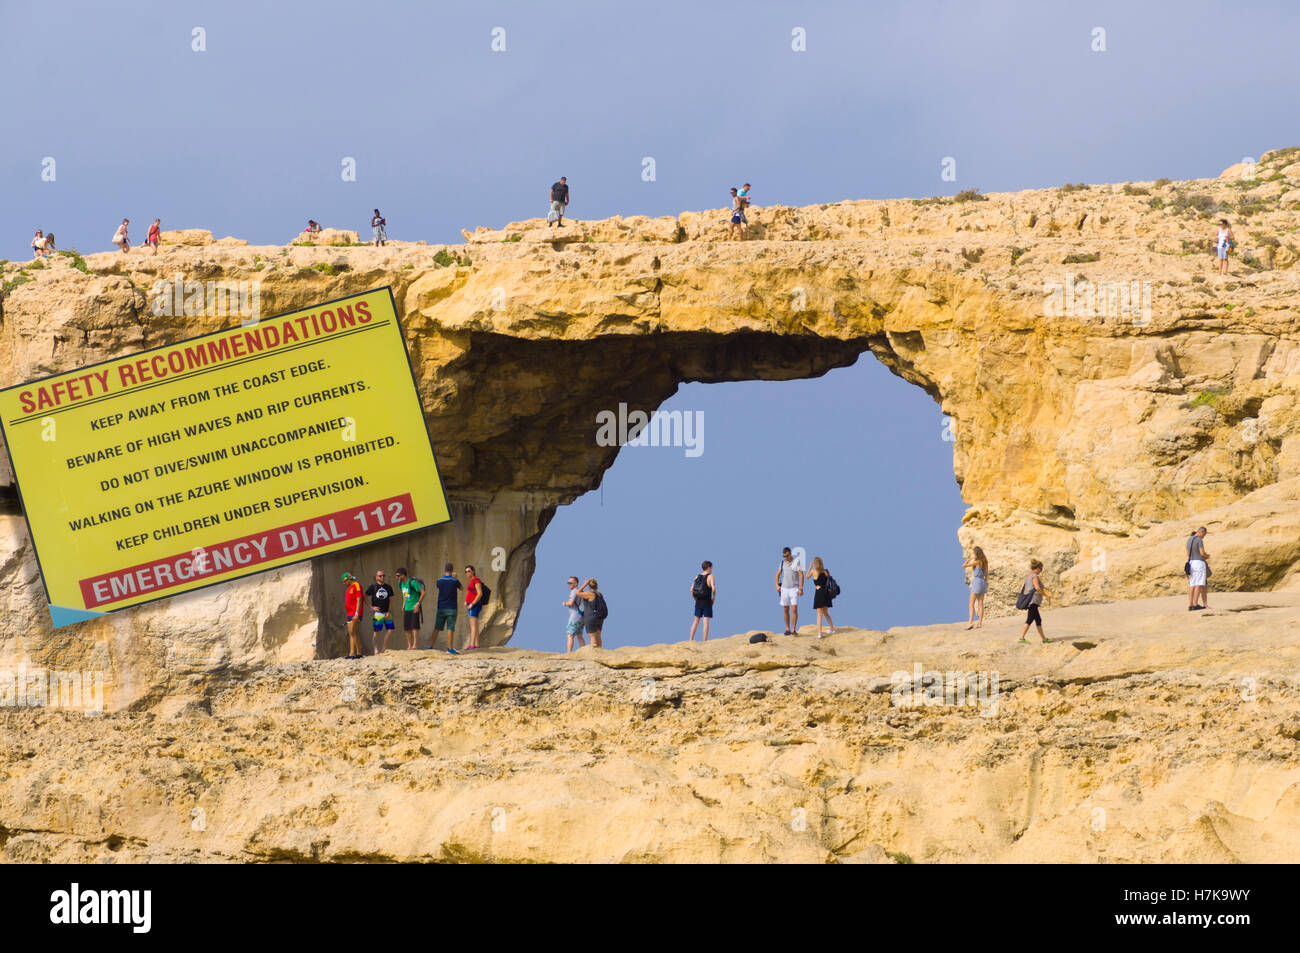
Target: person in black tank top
(821, 597)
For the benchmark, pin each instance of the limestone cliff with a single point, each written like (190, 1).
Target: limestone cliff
(1145, 734)
(1089, 428)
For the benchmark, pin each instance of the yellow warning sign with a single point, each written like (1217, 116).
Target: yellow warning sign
(224, 455)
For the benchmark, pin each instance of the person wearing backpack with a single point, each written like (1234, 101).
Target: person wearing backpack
(704, 590)
(1197, 568)
(1031, 597)
(1224, 243)
(597, 611)
(476, 594)
(826, 591)
(789, 584)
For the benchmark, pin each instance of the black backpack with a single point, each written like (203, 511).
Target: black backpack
(700, 588)
(599, 608)
(486, 592)
(832, 587)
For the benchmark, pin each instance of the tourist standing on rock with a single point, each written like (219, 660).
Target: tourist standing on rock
(576, 607)
(823, 595)
(155, 235)
(38, 244)
(377, 229)
(789, 586)
(1224, 243)
(704, 590)
(1198, 571)
(1032, 594)
(978, 564)
(559, 202)
(475, 592)
(738, 220)
(381, 595)
(120, 238)
(352, 606)
(412, 607)
(596, 613)
(448, 589)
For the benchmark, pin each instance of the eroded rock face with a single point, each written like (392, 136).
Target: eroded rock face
(1108, 391)
(1136, 737)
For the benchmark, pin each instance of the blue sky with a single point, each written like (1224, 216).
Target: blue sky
(246, 138)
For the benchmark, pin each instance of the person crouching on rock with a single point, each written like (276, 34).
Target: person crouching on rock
(352, 606)
(1033, 588)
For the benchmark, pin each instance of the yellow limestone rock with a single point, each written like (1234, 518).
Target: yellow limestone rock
(1107, 389)
(1142, 735)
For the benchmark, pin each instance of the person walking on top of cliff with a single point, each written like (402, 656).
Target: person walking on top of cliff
(1224, 243)
(789, 587)
(576, 607)
(1198, 571)
(120, 238)
(824, 593)
(377, 228)
(978, 564)
(448, 588)
(738, 220)
(475, 593)
(154, 235)
(412, 591)
(559, 202)
(1032, 594)
(704, 590)
(352, 606)
(380, 593)
(596, 611)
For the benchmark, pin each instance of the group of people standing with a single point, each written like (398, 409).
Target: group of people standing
(587, 609)
(1033, 592)
(790, 581)
(412, 591)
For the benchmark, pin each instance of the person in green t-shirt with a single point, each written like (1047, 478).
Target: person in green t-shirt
(412, 598)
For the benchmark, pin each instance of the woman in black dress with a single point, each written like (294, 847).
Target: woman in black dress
(821, 598)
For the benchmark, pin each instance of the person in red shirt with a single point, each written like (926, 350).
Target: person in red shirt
(155, 234)
(352, 604)
(474, 603)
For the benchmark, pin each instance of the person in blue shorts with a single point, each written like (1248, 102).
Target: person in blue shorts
(573, 630)
(473, 605)
(381, 594)
(445, 618)
(704, 590)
